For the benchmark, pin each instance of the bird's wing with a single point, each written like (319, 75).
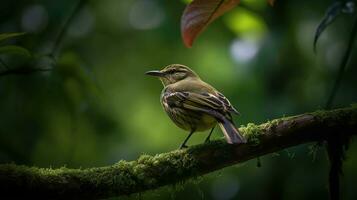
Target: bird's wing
(199, 101)
(227, 104)
(189, 101)
(216, 106)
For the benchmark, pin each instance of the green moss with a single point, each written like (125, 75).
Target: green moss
(337, 115)
(148, 171)
(252, 132)
(320, 115)
(272, 124)
(144, 159)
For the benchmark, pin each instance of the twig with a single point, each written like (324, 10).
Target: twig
(65, 27)
(4, 64)
(23, 71)
(336, 143)
(342, 66)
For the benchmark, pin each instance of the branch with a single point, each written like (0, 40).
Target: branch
(150, 172)
(65, 27)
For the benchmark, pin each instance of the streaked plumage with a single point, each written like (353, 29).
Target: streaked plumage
(194, 105)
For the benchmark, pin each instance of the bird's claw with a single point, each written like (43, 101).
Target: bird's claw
(183, 146)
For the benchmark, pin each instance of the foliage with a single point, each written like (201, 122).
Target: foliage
(200, 13)
(335, 10)
(11, 49)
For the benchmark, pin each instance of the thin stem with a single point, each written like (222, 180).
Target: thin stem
(23, 71)
(335, 146)
(65, 27)
(342, 65)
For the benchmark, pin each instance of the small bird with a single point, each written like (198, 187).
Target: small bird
(194, 105)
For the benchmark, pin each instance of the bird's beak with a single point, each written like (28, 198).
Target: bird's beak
(155, 73)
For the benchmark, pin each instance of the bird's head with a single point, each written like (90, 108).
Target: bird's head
(173, 73)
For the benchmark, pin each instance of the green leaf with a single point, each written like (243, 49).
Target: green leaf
(13, 49)
(4, 36)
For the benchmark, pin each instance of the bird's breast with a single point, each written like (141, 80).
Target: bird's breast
(185, 118)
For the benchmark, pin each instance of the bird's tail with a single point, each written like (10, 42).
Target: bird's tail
(231, 133)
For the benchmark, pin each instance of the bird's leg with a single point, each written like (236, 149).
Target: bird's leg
(183, 145)
(209, 135)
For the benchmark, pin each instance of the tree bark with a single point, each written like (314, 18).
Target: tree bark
(150, 172)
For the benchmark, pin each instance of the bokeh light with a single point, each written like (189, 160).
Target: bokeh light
(244, 51)
(34, 18)
(146, 14)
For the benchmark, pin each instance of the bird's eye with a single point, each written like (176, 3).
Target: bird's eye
(180, 75)
(172, 71)
(180, 72)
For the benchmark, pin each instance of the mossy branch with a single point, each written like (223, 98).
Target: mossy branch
(150, 172)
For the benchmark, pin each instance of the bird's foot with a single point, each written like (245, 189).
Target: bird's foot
(183, 146)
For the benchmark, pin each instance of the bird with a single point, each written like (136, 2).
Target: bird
(194, 105)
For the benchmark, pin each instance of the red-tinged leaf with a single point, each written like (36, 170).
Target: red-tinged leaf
(271, 2)
(199, 14)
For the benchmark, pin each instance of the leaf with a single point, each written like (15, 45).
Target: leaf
(13, 49)
(4, 36)
(199, 14)
(332, 13)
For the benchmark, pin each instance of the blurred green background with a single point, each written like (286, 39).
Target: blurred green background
(96, 106)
